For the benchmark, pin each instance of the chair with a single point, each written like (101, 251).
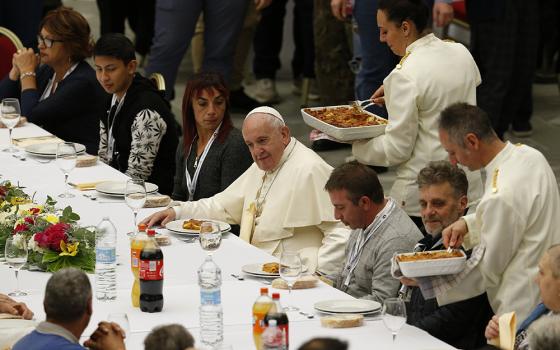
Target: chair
(9, 44)
(158, 80)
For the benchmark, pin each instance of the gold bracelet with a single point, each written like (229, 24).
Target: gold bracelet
(26, 74)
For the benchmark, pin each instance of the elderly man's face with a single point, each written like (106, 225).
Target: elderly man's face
(549, 285)
(439, 207)
(265, 141)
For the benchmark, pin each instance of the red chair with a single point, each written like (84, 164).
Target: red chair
(9, 44)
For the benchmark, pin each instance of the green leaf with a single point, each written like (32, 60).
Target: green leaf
(50, 256)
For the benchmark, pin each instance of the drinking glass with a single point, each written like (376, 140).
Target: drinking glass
(394, 315)
(135, 197)
(121, 319)
(15, 253)
(210, 237)
(66, 161)
(10, 115)
(290, 270)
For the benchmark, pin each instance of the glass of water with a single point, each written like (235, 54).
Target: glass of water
(10, 114)
(290, 270)
(135, 197)
(15, 253)
(394, 315)
(210, 236)
(66, 161)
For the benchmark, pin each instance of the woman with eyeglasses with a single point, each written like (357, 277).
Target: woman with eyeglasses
(57, 88)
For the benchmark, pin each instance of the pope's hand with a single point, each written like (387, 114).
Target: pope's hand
(492, 329)
(161, 218)
(409, 282)
(378, 96)
(453, 235)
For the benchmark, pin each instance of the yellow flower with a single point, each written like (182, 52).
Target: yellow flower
(52, 219)
(70, 249)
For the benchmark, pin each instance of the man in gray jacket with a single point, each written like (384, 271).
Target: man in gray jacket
(379, 226)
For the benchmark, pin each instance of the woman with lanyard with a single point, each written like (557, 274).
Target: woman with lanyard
(57, 87)
(212, 153)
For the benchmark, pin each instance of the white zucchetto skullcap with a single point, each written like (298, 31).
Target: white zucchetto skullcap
(267, 110)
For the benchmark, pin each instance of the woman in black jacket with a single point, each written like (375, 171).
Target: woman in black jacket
(57, 88)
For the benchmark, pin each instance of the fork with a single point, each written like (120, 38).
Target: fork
(189, 240)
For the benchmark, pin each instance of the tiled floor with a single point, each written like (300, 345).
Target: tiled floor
(546, 100)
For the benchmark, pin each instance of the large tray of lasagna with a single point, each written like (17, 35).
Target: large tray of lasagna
(431, 263)
(345, 123)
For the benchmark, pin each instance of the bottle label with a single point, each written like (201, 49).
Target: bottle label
(210, 297)
(105, 255)
(151, 270)
(135, 257)
(285, 335)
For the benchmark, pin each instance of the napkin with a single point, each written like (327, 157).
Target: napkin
(7, 316)
(304, 282)
(28, 141)
(507, 325)
(86, 186)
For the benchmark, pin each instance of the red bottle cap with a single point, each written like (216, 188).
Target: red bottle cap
(142, 227)
(151, 233)
(276, 296)
(264, 290)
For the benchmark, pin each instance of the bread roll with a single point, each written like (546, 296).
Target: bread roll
(86, 160)
(303, 282)
(157, 200)
(342, 321)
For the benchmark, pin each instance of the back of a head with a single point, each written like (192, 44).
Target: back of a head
(66, 295)
(169, 337)
(115, 45)
(398, 11)
(544, 333)
(554, 255)
(358, 180)
(69, 26)
(461, 119)
(324, 344)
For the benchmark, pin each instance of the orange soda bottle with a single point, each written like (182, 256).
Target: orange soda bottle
(136, 244)
(260, 308)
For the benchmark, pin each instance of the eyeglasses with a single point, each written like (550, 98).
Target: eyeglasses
(48, 43)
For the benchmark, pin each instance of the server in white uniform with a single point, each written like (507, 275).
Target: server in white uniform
(517, 218)
(431, 75)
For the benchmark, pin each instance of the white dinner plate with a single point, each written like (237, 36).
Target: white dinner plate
(49, 149)
(117, 188)
(348, 306)
(256, 270)
(177, 227)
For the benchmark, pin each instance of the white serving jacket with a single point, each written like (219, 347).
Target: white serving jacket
(433, 75)
(517, 220)
(297, 214)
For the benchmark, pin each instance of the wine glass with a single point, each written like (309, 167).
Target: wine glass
(135, 197)
(15, 253)
(290, 270)
(10, 115)
(210, 237)
(394, 315)
(66, 161)
(121, 318)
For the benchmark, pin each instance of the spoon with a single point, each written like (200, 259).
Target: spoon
(308, 315)
(239, 278)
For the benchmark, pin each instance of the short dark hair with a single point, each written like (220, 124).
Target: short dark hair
(115, 45)
(324, 344)
(358, 180)
(461, 119)
(398, 11)
(68, 25)
(169, 337)
(66, 295)
(442, 171)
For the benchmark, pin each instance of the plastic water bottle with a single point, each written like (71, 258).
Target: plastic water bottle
(105, 260)
(272, 337)
(211, 316)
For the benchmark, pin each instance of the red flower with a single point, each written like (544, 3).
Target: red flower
(20, 228)
(51, 237)
(35, 211)
(29, 220)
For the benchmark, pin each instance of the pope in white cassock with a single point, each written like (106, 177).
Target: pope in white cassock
(516, 221)
(279, 201)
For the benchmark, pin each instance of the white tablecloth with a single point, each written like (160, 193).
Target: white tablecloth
(181, 293)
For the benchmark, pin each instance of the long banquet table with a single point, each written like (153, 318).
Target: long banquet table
(181, 293)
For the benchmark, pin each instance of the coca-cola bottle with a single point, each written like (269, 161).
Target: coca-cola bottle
(277, 313)
(151, 275)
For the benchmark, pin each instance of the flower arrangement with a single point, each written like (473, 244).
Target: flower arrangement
(54, 238)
